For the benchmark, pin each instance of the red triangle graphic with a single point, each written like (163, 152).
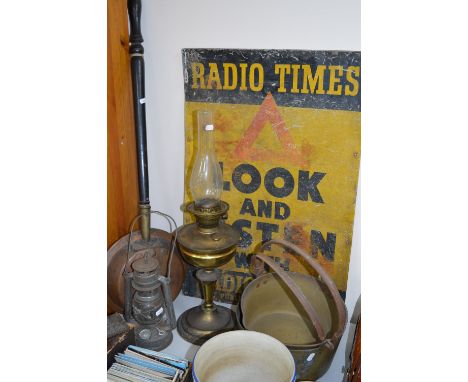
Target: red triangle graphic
(268, 112)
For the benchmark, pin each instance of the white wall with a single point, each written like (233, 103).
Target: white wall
(170, 25)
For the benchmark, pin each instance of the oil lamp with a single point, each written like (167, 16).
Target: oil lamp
(147, 303)
(209, 242)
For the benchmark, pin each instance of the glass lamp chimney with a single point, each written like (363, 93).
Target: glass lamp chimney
(206, 180)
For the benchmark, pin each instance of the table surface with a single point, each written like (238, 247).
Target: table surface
(179, 346)
(185, 349)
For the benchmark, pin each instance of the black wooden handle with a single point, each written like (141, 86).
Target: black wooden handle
(134, 14)
(137, 63)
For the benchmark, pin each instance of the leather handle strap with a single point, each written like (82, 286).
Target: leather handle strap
(327, 280)
(313, 316)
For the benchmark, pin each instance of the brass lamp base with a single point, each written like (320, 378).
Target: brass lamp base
(209, 243)
(198, 325)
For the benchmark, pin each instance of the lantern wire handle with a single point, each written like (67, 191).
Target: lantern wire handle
(168, 219)
(130, 238)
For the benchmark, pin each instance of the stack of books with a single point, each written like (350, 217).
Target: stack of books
(137, 364)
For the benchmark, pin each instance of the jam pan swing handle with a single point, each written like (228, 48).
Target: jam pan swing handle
(327, 280)
(297, 293)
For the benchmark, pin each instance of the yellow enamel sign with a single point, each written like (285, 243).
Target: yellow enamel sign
(290, 159)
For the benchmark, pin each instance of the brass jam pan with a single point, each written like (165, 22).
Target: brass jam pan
(306, 313)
